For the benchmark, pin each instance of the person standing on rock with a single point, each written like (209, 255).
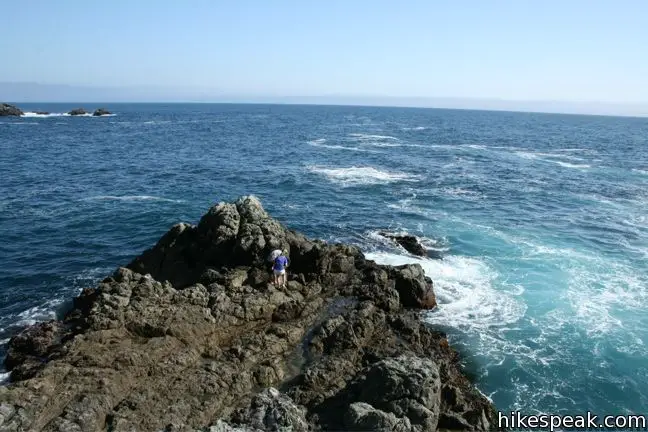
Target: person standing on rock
(279, 269)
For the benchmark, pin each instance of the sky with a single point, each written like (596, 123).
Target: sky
(520, 50)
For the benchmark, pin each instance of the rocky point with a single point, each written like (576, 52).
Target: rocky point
(7, 110)
(192, 336)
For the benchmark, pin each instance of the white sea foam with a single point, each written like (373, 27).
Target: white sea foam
(570, 165)
(156, 122)
(353, 176)
(383, 144)
(474, 146)
(33, 114)
(640, 171)
(573, 150)
(560, 156)
(550, 157)
(406, 205)
(595, 302)
(294, 206)
(35, 314)
(599, 294)
(465, 291)
(50, 308)
(526, 155)
(603, 291)
(368, 137)
(440, 245)
(457, 191)
(418, 128)
(4, 377)
(321, 143)
(130, 198)
(393, 144)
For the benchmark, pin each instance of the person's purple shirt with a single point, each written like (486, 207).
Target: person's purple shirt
(280, 263)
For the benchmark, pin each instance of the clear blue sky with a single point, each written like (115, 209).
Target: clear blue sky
(571, 50)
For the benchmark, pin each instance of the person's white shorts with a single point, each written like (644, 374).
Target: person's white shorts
(279, 272)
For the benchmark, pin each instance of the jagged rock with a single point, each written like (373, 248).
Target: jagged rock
(34, 343)
(77, 112)
(100, 112)
(272, 411)
(221, 223)
(7, 110)
(41, 112)
(190, 330)
(171, 258)
(408, 387)
(414, 288)
(222, 426)
(409, 242)
(363, 417)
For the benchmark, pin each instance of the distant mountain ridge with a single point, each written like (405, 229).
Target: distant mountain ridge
(23, 92)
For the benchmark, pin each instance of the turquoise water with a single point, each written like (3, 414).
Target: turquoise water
(542, 220)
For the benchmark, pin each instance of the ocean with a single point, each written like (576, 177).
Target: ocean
(542, 221)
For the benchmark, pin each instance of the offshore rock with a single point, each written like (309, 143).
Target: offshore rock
(7, 110)
(77, 112)
(191, 336)
(409, 242)
(100, 112)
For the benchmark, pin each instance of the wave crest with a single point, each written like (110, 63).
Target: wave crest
(130, 198)
(353, 176)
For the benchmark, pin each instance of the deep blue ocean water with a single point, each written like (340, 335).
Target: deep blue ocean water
(542, 219)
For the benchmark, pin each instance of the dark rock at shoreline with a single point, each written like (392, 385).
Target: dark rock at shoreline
(192, 337)
(100, 112)
(77, 112)
(41, 113)
(412, 245)
(409, 242)
(7, 110)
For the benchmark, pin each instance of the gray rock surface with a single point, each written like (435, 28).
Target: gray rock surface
(409, 242)
(77, 112)
(101, 112)
(7, 110)
(192, 336)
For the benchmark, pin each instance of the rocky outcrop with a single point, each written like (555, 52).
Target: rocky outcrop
(7, 110)
(77, 112)
(191, 336)
(100, 112)
(29, 349)
(270, 411)
(414, 288)
(409, 242)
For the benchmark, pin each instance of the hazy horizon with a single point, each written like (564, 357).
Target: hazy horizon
(576, 56)
(33, 93)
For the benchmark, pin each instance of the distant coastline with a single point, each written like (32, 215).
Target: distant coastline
(68, 104)
(22, 93)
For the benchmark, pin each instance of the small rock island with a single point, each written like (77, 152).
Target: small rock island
(7, 110)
